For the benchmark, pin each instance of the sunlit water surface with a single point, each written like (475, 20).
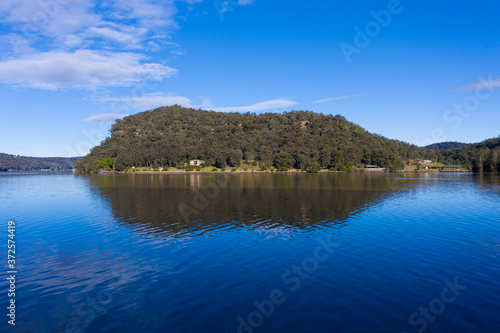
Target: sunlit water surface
(254, 253)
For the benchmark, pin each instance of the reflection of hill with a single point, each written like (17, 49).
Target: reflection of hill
(488, 182)
(157, 202)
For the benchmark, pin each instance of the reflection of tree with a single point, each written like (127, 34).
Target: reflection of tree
(151, 202)
(488, 182)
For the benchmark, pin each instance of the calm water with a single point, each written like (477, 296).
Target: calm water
(254, 253)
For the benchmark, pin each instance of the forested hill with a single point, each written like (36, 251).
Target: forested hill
(447, 145)
(169, 136)
(25, 163)
(481, 157)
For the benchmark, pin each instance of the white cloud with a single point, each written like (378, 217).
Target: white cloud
(266, 105)
(332, 99)
(56, 17)
(80, 69)
(106, 117)
(148, 101)
(146, 13)
(206, 103)
(48, 17)
(56, 44)
(483, 84)
(17, 42)
(128, 37)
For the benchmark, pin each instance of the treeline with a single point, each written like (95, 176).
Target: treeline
(25, 163)
(170, 136)
(480, 157)
(447, 145)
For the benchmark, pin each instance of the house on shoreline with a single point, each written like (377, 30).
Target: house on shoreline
(452, 167)
(196, 162)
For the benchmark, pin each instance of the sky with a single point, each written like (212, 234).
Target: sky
(419, 71)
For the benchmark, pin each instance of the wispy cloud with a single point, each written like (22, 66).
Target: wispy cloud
(206, 103)
(148, 101)
(483, 84)
(106, 117)
(224, 6)
(261, 106)
(46, 18)
(84, 43)
(56, 18)
(80, 69)
(333, 99)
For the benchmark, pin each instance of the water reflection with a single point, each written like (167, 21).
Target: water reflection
(178, 205)
(88, 268)
(489, 183)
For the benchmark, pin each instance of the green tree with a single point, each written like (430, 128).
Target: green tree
(105, 163)
(234, 157)
(265, 155)
(120, 163)
(302, 162)
(283, 159)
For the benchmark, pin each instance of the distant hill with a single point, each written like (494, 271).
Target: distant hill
(169, 136)
(25, 163)
(480, 157)
(489, 144)
(447, 145)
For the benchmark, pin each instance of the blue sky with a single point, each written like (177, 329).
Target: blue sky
(417, 71)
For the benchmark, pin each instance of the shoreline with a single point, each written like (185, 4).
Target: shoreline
(151, 172)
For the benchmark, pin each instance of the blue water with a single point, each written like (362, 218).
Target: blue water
(253, 253)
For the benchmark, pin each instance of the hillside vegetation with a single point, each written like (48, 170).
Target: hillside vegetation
(447, 145)
(480, 157)
(170, 136)
(25, 163)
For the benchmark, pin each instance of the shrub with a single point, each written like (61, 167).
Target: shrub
(346, 168)
(283, 169)
(233, 169)
(214, 169)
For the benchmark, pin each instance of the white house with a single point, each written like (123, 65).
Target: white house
(196, 162)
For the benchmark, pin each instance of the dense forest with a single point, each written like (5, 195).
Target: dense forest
(447, 145)
(480, 157)
(25, 163)
(171, 136)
